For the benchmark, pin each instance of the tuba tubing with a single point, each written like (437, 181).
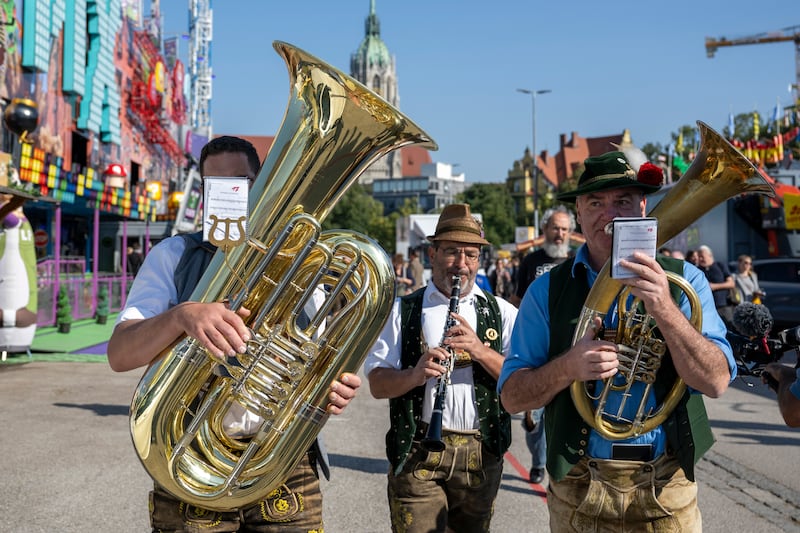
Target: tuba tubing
(333, 129)
(719, 172)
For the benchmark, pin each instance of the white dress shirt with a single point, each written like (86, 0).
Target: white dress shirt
(459, 413)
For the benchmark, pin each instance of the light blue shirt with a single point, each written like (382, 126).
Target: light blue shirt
(794, 388)
(530, 341)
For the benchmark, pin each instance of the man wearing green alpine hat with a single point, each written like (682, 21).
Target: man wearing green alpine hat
(644, 482)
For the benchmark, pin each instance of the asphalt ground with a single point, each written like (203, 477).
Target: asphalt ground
(68, 464)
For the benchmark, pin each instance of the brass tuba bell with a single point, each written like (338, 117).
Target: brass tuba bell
(333, 129)
(719, 172)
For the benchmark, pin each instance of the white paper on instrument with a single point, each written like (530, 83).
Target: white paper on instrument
(631, 234)
(225, 198)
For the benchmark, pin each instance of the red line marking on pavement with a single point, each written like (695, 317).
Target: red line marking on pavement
(538, 490)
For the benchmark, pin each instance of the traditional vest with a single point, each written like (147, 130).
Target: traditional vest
(405, 411)
(192, 264)
(687, 429)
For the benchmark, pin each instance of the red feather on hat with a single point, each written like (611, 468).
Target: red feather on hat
(649, 174)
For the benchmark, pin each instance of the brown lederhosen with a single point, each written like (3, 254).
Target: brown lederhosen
(465, 478)
(600, 495)
(294, 507)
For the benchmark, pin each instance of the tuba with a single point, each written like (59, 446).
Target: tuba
(719, 172)
(333, 129)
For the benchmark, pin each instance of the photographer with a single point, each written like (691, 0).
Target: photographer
(757, 354)
(788, 389)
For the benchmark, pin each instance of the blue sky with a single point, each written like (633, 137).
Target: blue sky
(610, 65)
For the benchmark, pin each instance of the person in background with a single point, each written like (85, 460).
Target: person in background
(691, 256)
(746, 281)
(513, 269)
(645, 482)
(677, 254)
(403, 281)
(665, 251)
(135, 258)
(720, 280)
(500, 278)
(416, 269)
(452, 490)
(558, 223)
(157, 312)
(788, 390)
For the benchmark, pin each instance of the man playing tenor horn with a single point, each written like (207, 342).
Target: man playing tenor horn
(639, 483)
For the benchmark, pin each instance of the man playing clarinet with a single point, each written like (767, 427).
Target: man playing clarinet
(452, 489)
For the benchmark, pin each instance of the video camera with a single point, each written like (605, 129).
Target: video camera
(753, 346)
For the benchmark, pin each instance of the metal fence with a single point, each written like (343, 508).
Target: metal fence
(80, 288)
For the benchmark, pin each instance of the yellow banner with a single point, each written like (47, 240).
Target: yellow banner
(791, 208)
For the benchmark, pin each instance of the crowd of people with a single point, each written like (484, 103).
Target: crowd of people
(455, 361)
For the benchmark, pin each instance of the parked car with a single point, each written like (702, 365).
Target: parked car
(779, 278)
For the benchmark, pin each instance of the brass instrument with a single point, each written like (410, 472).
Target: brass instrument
(432, 441)
(719, 172)
(333, 129)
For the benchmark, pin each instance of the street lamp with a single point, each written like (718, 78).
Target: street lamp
(535, 169)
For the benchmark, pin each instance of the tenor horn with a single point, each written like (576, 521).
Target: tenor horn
(333, 129)
(719, 172)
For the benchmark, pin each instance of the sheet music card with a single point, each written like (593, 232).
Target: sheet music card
(225, 206)
(631, 234)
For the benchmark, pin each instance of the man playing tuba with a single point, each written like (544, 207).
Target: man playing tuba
(158, 311)
(644, 481)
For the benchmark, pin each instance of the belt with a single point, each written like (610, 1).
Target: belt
(632, 452)
(422, 430)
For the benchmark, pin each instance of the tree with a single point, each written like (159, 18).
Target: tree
(101, 312)
(652, 151)
(494, 204)
(63, 310)
(358, 211)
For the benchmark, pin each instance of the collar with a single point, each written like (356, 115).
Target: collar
(582, 258)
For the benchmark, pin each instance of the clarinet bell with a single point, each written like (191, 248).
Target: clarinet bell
(433, 437)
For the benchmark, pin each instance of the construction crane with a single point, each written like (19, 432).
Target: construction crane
(791, 33)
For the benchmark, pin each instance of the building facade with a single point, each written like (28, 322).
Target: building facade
(555, 170)
(433, 189)
(95, 131)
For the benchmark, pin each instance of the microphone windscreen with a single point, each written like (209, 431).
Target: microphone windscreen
(752, 320)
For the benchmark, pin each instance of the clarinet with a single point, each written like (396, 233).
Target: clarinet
(433, 438)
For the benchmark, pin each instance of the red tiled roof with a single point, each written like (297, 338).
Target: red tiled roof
(262, 143)
(413, 159)
(559, 167)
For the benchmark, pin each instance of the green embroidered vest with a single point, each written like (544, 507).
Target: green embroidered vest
(687, 429)
(405, 411)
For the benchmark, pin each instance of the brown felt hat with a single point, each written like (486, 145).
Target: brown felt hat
(457, 224)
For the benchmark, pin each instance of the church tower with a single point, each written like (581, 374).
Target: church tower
(373, 66)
